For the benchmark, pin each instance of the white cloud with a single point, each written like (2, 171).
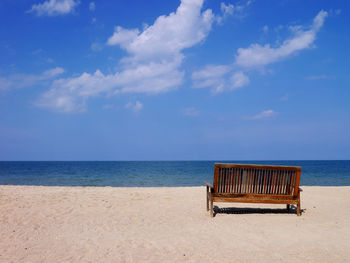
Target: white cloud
(169, 35)
(221, 78)
(226, 9)
(151, 66)
(135, 107)
(122, 37)
(265, 29)
(230, 10)
(96, 46)
(257, 55)
(264, 115)
(217, 78)
(54, 7)
(239, 79)
(107, 107)
(191, 111)
(315, 77)
(92, 6)
(211, 76)
(285, 97)
(26, 80)
(50, 73)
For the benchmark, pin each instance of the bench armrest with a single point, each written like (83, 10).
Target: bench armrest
(209, 185)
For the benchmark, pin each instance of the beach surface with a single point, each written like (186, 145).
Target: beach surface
(107, 224)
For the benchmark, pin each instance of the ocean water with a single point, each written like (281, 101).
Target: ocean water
(153, 173)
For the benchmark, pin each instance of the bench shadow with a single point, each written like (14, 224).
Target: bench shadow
(249, 210)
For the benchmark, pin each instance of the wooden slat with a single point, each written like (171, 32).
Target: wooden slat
(240, 180)
(279, 182)
(231, 180)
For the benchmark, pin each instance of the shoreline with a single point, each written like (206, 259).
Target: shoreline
(168, 224)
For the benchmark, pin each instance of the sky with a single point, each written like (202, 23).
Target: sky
(174, 80)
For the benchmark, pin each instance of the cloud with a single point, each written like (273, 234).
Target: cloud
(168, 36)
(315, 77)
(265, 29)
(123, 37)
(191, 111)
(96, 46)
(219, 78)
(92, 6)
(257, 55)
(230, 10)
(211, 76)
(222, 77)
(54, 7)
(107, 107)
(135, 107)
(285, 97)
(239, 79)
(26, 80)
(152, 64)
(263, 115)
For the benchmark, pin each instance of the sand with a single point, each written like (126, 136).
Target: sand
(105, 224)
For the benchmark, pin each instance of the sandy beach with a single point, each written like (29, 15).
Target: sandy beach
(105, 224)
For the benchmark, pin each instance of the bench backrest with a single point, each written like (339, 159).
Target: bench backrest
(256, 179)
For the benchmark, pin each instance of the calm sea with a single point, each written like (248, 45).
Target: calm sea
(153, 173)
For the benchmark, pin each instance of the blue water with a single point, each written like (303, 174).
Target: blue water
(153, 173)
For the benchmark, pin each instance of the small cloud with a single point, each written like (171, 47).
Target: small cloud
(16, 81)
(317, 77)
(216, 77)
(54, 7)
(107, 107)
(284, 98)
(226, 9)
(123, 37)
(265, 29)
(230, 10)
(135, 107)
(239, 79)
(191, 111)
(92, 6)
(328, 60)
(263, 115)
(50, 60)
(278, 28)
(52, 73)
(96, 46)
(37, 51)
(93, 20)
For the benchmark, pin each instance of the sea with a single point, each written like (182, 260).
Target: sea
(152, 173)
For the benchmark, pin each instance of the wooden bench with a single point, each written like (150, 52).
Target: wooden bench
(243, 183)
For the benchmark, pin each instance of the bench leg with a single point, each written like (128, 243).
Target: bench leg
(298, 206)
(211, 207)
(207, 198)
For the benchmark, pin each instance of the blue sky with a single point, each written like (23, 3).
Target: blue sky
(174, 80)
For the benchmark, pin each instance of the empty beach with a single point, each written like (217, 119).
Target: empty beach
(168, 224)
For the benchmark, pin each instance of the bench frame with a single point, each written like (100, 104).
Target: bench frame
(213, 195)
